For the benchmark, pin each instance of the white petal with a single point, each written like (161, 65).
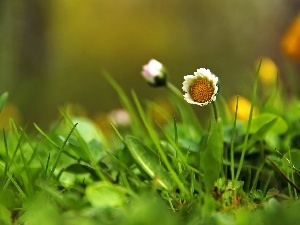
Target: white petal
(190, 79)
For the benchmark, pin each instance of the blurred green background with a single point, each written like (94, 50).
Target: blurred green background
(52, 52)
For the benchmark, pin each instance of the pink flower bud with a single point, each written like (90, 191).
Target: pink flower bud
(154, 73)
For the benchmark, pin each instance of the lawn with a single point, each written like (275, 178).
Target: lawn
(240, 167)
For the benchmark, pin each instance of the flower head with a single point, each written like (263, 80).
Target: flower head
(201, 88)
(155, 73)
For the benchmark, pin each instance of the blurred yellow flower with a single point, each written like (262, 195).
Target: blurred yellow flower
(102, 122)
(290, 43)
(75, 109)
(268, 71)
(9, 111)
(244, 106)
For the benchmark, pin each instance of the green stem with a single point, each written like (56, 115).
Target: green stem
(232, 143)
(161, 152)
(174, 89)
(292, 174)
(245, 144)
(216, 111)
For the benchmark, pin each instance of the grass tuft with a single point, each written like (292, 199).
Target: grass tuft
(170, 171)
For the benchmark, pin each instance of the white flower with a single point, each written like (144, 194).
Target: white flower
(154, 73)
(201, 88)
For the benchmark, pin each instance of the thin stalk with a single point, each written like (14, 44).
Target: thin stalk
(136, 128)
(232, 142)
(60, 152)
(292, 174)
(264, 189)
(55, 145)
(174, 89)
(155, 139)
(245, 144)
(47, 165)
(216, 111)
(6, 160)
(290, 182)
(21, 192)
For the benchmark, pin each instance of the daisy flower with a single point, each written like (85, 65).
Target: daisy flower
(154, 73)
(200, 88)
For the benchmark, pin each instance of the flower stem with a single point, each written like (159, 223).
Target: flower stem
(245, 144)
(232, 148)
(215, 109)
(174, 89)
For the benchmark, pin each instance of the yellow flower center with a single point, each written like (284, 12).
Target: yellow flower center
(201, 91)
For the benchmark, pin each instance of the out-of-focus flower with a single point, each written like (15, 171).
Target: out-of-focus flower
(290, 43)
(155, 73)
(9, 111)
(201, 88)
(244, 106)
(75, 109)
(119, 117)
(268, 71)
(101, 120)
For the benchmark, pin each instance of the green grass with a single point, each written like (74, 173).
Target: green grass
(179, 172)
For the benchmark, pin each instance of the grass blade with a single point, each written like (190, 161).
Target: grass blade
(136, 125)
(283, 174)
(3, 99)
(60, 152)
(155, 139)
(253, 101)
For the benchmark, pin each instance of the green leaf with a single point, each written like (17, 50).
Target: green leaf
(219, 218)
(212, 157)
(87, 129)
(149, 162)
(39, 209)
(104, 194)
(257, 194)
(3, 99)
(69, 179)
(77, 168)
(271, 206)
(5, 217)
(259, 121)
(259, 135)
(189, 144)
